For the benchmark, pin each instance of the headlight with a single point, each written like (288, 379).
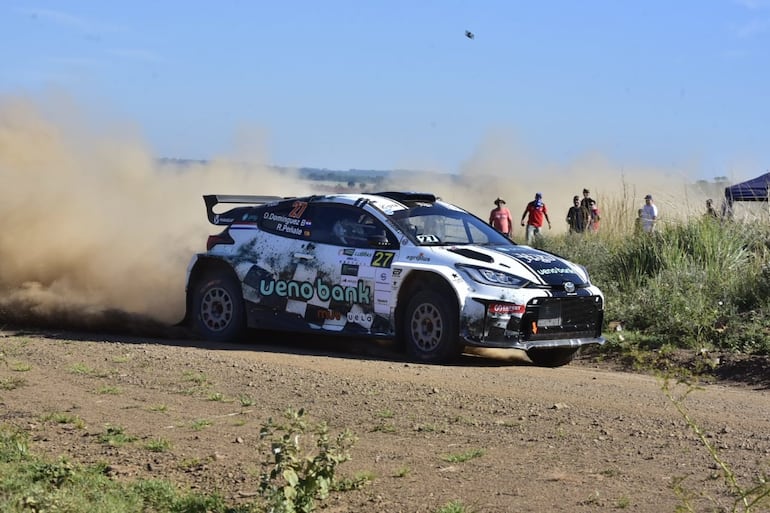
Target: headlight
(492, 276)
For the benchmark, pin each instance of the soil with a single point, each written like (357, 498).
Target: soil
(589, 436)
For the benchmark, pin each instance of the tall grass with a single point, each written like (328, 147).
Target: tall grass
(695, 282)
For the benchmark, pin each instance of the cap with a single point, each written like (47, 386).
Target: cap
(538, 195)
(586, 191)
(499, 200)
(649, 196)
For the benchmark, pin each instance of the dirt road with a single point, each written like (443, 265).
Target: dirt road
(574, 439)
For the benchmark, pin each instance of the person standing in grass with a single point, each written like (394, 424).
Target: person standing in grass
(536, 211)
(577, 217)
(500, 218)
(586, 201)
(711, 212)
(593, 217)
(649, 215)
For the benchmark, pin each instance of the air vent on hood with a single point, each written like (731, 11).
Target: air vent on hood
(475, 255)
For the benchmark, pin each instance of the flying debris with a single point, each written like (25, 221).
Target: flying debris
(469, 34)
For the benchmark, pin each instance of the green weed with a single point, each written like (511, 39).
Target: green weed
(115, 436)
(158, 445)
(747, 498)
(463, 456)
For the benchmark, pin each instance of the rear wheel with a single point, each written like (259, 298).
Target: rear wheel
(218, 307)
(552, 357)
(430, 328)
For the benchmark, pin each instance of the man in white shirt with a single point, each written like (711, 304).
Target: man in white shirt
(649, 214)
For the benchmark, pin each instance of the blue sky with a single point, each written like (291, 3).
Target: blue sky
(397, 84)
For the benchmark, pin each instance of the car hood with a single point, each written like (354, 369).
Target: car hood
(539, 267)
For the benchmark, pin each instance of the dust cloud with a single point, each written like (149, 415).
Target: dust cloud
(502, 167)
(97, 233)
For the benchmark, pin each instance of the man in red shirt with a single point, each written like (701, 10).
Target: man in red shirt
(500, 218)
(537, 212)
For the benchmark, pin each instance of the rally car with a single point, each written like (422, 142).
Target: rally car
(400, 265)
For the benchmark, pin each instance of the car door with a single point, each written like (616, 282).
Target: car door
(352, 256)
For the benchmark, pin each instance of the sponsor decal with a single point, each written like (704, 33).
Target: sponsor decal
(306, 291)
(555, 270)
(348, 252)
(306, 222)
(397, 272)
(529, 257)
(349, 270)
(506, 309)
(360, 317)
(218, 219)
(332, 315)
(418, 258)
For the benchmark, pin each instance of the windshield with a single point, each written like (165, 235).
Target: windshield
(436, 225)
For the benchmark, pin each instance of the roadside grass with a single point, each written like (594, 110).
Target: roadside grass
(12, 383)
(34, 484)
(455, 506)
(750, 497)
(86, 370)
(464, 456)
(402, 471)
(697, 284)
(292, 478)
(158, 445)
(109, 390)
(115, 436)
(246, 400)
(124, 358)
(200, 424)
(64, 418)
(20, 367)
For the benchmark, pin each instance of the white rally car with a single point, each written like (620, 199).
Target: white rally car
(388, 265)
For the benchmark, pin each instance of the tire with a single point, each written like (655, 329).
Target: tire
(553, 357)
(430, 328)
(218, 307)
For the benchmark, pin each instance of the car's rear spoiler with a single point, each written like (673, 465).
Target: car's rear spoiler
(228, 217)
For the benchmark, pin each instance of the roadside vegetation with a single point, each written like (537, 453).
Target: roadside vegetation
(700, 284)
(294, 479)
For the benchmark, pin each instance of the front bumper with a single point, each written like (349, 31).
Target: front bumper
(544, 322)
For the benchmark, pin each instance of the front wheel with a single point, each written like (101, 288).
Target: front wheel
(430, 328)
(218, 307)
(553, 357)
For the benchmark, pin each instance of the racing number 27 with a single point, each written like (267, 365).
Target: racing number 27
(382, 258)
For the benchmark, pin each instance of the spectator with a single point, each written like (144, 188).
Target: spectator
(535, 212)
(586, 201)
(594, 217)
(711, 212)
(649, 215)
(577, 216)
(500, 218)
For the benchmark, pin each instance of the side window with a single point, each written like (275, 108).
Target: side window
(288, 219)
(349, 227)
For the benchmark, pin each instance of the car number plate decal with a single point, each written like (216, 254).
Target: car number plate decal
(550, 315)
